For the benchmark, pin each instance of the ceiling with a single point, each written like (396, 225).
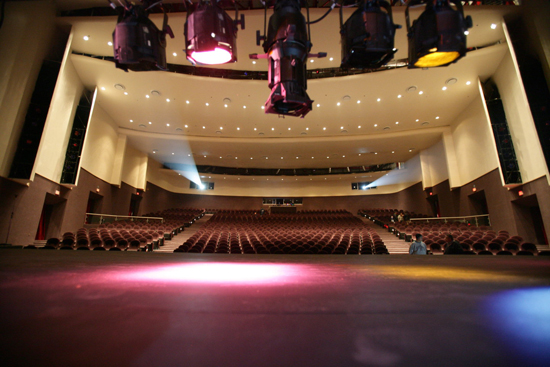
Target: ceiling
(356, 120)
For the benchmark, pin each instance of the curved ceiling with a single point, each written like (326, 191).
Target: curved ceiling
(356, 120)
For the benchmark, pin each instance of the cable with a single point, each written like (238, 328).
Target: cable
(2, 13)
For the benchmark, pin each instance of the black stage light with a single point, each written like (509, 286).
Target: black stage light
(287, 47)
(211, 34)
(368, 35)
(437, 37)
(137, 42)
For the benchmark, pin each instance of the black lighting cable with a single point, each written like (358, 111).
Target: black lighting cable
(327, 13)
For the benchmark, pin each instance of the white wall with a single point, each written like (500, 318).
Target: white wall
(473, 144)
(134, 169)
(527, 146)
(22, 50)
(434, 165)
(53, 145)
(100, 147)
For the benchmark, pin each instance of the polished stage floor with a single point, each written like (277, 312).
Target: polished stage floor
(76, 308)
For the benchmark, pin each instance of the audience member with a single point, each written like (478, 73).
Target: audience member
(418, 247)
(452, 247)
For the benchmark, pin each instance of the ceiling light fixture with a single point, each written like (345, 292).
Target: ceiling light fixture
(436, 37)
(367, 36)
(138, 44)
(211, 34)
(286, 46)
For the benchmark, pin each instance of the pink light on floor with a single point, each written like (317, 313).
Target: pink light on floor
(218, 273)
(218, 56)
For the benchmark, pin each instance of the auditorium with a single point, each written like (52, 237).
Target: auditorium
(157, 208)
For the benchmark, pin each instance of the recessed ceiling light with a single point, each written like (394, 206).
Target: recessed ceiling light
(437, 117)
(378, 100)
(358, 101)
(397, 122)
(341, 128)
(125, 93)
(324, 128)
(493, 26)
(254, 62)
(221, 128)
(375, 153)
(167, 124)
(359, 126)
(289, 128)
(173, 153)
(417, 120)
(131, 120)
(251, 158)
(420, 92)
(102, 88)
(332, 58)
(343, 156)
(468, 83)
(312, 157)
(307, 128)
(272, 128)
(167, 99)
(186, 126)
(238, 128)
(338, 104)
(444, 88)
(189, 155)
(393, 151)
(175, 54)
(359, 156)
(86, 38)
(399, 96)
(110, 43)
(204, 156)
(375, 125)
(204, 127)
(207, 104)
(187, 102)
(263, 107)
(311, 60)
(154, 150)
(281, 157)
(255, 129)
(466, 33)
(150, 123)
(318, 105)
(146, 96)
(244, 106)
(225, 105)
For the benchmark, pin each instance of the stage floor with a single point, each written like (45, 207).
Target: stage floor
(76, 308)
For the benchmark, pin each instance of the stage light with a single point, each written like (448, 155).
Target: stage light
(211, 34)
(287, 47)
(436, 37)
(368, 35)
(138, 44)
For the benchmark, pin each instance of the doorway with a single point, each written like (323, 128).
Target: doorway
(529, 220)
(51, 217)
(478, 203)
(433, 200)
(134, 205)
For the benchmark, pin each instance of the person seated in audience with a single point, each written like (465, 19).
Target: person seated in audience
(452, 247)
(394, 217)
(418, 247)
(407, 217)
(400, 217)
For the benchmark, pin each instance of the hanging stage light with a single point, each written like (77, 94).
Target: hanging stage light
(137, 42)
(287, 47)
(437, 37)
(211, 34)
(368, 35)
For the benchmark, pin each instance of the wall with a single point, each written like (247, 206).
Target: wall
(520, 120)
(100, 146)
(23, 50)
(134, 168)
(434, 165)
(475, 152)
(53, 145)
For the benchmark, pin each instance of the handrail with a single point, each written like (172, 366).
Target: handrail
(131, 217)
(445, 219)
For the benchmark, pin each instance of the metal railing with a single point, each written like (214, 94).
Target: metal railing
(97, 218)
(477, 220)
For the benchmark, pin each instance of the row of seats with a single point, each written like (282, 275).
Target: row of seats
(313, 232)
(478, 240)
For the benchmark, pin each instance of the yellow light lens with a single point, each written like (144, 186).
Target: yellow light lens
(436, 59)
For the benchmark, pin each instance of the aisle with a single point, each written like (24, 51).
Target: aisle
(394, 245)
(170, 246)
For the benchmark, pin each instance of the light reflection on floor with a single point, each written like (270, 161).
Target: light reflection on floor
(521, 319)
(222, 273)
(443, 273)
